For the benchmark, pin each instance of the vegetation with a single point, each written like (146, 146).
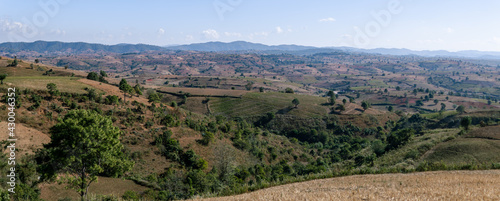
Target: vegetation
(83, 145)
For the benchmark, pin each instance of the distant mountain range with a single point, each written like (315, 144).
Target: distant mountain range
(237, 46)
(77, 47)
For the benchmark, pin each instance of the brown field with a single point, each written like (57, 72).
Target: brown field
(28, 139)
(104, 186)
(441, 185)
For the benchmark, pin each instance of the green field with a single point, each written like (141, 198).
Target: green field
(466, 150)
(256, 104)
(64, 84)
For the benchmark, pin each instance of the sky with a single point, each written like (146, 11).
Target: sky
(451, 25)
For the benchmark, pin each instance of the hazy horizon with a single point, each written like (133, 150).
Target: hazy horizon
(414, 25)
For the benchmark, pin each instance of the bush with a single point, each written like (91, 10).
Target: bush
(130, 195)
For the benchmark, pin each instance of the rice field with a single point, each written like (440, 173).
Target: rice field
(441, 185)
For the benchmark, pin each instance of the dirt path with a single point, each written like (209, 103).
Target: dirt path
(441, 185)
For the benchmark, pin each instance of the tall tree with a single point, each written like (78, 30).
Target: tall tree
(2, 77)
(295, 102)
(83, 145)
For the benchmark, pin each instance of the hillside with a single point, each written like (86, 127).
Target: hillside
(225, 124)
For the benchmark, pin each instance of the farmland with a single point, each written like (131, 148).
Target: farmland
(449, 185)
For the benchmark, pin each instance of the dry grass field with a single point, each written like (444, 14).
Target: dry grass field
(442, 185)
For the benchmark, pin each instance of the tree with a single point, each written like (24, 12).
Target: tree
(419, 103)
(390, 108)
(93, 76)
(365, 105)
(443, 107)
(83, 145)
(2, 77)
(154, 98)
(289, 90)
(15, 62)
(344, 101)
(37, 60)
(295, 102)
(125, 88)
(398, 88)
(340, 107)
(123, 84)
(436, 101)
(460, 109)
(52, 89)
(103, 74)
(399, 138)
(466, 122)
(138, 90)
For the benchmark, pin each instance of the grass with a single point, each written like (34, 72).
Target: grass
(473, 148)
(411, 153)
(256, 104)
(437, 115)
(64, 84)
(104, 185)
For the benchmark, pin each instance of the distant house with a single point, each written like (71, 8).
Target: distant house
(149, 80)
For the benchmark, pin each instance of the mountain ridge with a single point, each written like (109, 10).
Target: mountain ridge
(235, 46)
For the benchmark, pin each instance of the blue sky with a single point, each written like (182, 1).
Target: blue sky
(413, 24)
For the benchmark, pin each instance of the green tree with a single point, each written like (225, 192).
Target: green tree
(390, 108)
(460, 109)
(83, 145)
(289, 90)
(443, 107)
(365, 105)
(154, 98)
(419, 103)
(51, 87)
(103, 74)
(399, 138)
(436, 101)
(340, 107)
(466, 122)
(344, 101)
(295, 102)
(93, 76)
(137, 89)
(2, 77)
(123, 84)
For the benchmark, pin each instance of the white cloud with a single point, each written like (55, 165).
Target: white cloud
(279, 30)
(161, 31)
(450, 30)
(11, 26)
(330, 19)
(232, 34)
(210, 34)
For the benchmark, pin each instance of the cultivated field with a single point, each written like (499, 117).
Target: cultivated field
(449, 185)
